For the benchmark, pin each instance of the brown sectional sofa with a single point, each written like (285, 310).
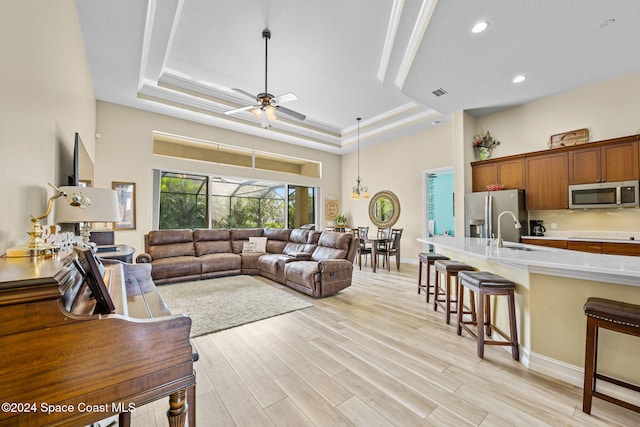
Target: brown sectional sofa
(313, 262)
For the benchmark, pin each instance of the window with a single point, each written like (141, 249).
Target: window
(183, 201)
(302, 202)
(192, 201)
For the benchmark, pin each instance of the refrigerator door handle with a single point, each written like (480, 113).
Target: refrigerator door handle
(488, 215)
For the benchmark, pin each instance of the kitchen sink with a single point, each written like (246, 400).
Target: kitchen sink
(520, 248)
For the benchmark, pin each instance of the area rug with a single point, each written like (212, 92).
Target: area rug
(225, 302)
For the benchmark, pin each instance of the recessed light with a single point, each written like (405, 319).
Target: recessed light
(436, 122)
(519, 78)
(480, 27)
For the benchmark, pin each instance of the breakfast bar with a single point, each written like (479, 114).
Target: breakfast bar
(552, 286)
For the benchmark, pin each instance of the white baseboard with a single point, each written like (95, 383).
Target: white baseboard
(574, 375)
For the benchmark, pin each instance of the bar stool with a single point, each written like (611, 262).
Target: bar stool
(427, 258)
(615, 316)
(486, 284)
(450, 269)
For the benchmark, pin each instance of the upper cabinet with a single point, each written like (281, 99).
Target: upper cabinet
(604, 162)
(508, 171)
(547, 181)
(546, 175)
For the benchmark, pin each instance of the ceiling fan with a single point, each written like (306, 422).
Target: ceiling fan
(267, 104)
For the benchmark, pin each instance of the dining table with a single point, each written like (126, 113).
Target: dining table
(374, 248)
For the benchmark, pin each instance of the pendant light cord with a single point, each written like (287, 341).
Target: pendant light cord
(358, 119)
(267, 35)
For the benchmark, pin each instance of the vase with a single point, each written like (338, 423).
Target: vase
(483, 153)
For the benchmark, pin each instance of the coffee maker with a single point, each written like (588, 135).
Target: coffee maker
(536, 227)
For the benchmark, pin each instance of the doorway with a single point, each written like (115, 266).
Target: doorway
(438, 217)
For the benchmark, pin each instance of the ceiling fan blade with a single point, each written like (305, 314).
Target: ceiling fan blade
(292, 113)
(285, 98)
(237, 110)
(245, 93)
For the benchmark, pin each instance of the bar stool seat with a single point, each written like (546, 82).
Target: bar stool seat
(485, 284)
(615, 316)
(450, 269)
(427, 258)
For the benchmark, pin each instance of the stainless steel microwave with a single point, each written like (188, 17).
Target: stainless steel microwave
(622, 194)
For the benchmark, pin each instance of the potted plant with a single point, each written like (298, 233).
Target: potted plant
(483, 144)
(341, 220)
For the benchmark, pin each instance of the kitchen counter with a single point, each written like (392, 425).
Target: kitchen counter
(552, 286)
(624, 270)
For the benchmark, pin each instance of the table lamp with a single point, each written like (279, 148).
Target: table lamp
(100, 205)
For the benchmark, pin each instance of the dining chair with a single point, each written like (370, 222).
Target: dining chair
(363, 249)
(383, 233)
(392, 248)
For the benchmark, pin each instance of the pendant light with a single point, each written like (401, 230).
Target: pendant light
(359, 190)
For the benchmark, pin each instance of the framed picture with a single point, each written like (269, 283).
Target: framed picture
(127, 201)
(93, 271)
(331, 209)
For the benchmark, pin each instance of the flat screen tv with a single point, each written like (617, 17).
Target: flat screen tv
(75, 171)
(82, 169)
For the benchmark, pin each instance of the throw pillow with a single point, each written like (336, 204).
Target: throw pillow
(261, 243)
(249, 247)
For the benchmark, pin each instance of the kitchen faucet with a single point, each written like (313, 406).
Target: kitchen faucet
(516, 224)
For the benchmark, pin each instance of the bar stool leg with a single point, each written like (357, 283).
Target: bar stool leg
(420, 276)
(460, 307)
(436, 291)
(590, 365)
(515, 351)
(447, 298)
(428, 281)
(480, 324)
(487, 315)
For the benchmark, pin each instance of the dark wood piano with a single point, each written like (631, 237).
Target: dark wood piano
(61, 364)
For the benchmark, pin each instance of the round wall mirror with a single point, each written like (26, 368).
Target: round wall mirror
(384, 209)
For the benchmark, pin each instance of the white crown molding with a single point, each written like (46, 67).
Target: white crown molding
(419, 29)
(390, 38)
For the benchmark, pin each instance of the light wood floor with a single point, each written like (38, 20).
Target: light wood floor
(373, 355)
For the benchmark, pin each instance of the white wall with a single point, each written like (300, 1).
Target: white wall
(397, 166)
(124, 152)
(47, 96)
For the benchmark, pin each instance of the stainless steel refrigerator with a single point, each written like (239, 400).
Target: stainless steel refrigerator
(481, 210)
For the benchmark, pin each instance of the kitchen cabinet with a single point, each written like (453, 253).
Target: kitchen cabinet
(615, 248)
(547, 181)
(604, 162)
(560, 244)
(508, 171)
(585, 246)
(592, 246)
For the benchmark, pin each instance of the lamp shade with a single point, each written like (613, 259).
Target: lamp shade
(102, 205)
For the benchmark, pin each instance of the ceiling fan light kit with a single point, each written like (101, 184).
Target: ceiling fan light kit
(267, 104)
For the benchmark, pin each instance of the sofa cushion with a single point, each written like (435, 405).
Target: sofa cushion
(281, 234)
(167, 237)
(220, 262)
(277, 239)
(211, 241)
(271, 266)
(170, 243)
(303, 273)
(250, 262)
(332, 245)
(241, 235)
(176, 267)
